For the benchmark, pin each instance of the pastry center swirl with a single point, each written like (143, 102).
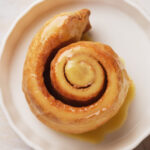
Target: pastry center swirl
(79, 74)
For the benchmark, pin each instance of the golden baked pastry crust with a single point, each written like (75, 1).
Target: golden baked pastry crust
(55, 113)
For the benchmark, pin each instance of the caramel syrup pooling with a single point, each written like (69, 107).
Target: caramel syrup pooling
(115, 123)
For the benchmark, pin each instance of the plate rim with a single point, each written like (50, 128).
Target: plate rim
(133, 3)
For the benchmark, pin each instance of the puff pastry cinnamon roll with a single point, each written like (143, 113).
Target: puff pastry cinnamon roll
(71, 85)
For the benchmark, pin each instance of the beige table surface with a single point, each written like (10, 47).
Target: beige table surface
(9, 10)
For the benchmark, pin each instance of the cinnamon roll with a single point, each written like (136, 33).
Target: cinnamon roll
(72, 86)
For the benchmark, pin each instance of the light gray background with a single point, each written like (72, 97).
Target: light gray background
(9, 10)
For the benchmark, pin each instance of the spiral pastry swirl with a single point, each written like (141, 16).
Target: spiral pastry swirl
(71, 85)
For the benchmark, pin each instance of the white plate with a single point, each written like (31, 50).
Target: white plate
(121, 24)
